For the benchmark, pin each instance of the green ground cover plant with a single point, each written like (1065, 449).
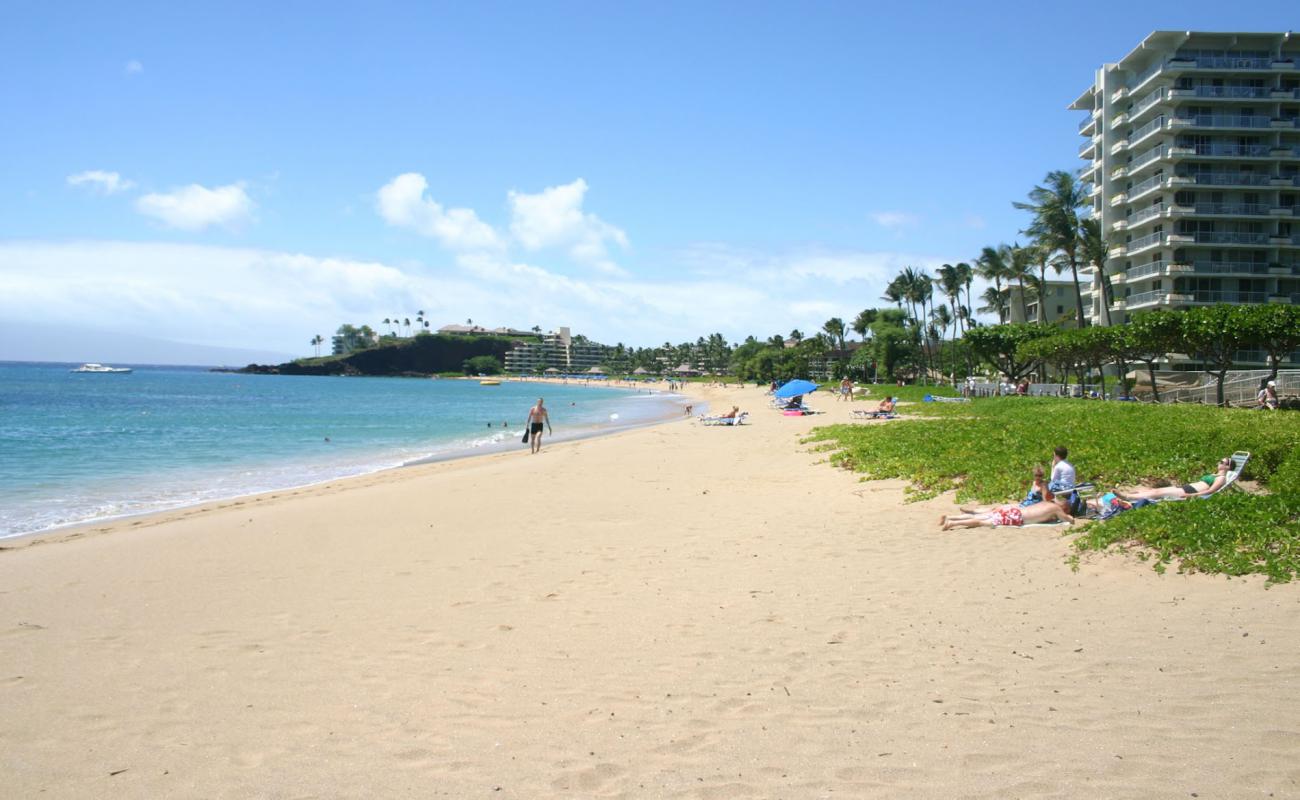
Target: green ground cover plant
(986, 450)
(905, 394)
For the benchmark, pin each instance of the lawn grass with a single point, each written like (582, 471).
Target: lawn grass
(905, 394)
(986, 450)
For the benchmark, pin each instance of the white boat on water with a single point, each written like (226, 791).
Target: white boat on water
(100, 368)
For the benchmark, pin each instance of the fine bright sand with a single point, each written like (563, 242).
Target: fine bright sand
(676, 611)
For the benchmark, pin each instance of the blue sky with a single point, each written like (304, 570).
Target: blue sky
(217, 173)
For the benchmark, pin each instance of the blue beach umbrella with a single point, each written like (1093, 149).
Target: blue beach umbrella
(796, 388)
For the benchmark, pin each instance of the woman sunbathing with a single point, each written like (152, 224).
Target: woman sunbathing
(1047, 511)
(1204, 486)
(1038, 492)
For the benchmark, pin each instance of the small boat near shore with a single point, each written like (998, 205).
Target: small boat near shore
(489, 382)
(101, 368)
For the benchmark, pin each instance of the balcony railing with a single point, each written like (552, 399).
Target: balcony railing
(1229, 297)
(1143, 270)
(1231, 178)
(1251, 209)
(1229, 268)
(1231, 91)
(1144, 298)
(1147, 158)
(1229, 62)
(1147, 101)
(1226, 149)
(1227, 121)
(1088, 121)
(1144, 241)
(1149, 183)
(1146, 214)
(1226, 237)
(1153, 125)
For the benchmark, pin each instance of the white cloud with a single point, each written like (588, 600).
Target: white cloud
(195, 207)
(99, 180)
(268, 300)
(133, 67)
(553, 218)
(403, 204)
(894, 219)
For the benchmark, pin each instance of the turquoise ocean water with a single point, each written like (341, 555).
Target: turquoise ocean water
(81, 447)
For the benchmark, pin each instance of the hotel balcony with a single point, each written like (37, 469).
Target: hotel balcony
(1226, 237)
(1159, 297)
(1156, 269)
(1222, 92)
(1089, 149)
(1154, 126)
(1147, 159)
(1211, 297)
(1141, 243)
(1243, 268)
(1233, 179)
(1148, 102)
(1226, 150)
(1230, 122)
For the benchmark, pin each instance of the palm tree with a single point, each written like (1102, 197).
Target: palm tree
(317, 340)
(1041, 256)
(967, 275)
(994, 302)
(1019, 267)
(992, 265)
(836, 329)
(388, 322)
(862, 322)
(949, 282)
(941, 317)
(894, 292)
(1055, 207)
(796, 335)
(1094, 249)
(919, 290)
(407, 323)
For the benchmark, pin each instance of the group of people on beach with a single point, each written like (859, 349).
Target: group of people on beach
(1057, 498)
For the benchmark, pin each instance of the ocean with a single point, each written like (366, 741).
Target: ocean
(83, 447)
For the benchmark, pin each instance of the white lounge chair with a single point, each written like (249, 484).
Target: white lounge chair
(739, 419)
(1239, 460)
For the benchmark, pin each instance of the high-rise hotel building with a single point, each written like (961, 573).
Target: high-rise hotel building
(1193, 151)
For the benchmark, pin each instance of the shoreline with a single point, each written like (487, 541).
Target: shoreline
(465, 451)
(103, 525)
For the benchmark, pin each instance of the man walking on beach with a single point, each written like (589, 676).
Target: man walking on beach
(538, 416)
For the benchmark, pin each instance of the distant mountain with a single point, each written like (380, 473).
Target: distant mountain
(28, 342)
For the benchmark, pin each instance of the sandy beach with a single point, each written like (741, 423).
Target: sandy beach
(673, 611)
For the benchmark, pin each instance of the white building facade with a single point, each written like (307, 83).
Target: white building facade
(1192, 144)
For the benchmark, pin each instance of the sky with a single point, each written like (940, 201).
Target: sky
(248, 175)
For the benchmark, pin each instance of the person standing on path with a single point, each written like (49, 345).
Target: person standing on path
(537, 417)
(846, 389)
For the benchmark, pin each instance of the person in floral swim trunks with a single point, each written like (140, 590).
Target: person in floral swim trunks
(1011, 515)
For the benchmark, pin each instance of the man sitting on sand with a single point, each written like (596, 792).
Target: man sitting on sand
(1046, 511)
(886, 406)
(732, 413)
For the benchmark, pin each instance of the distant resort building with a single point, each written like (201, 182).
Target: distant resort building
(559, 351)
(478, 330)
(1057, 301)
(1193, 148)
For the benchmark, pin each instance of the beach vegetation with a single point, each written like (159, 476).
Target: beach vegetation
(985, 452)
(482, 365)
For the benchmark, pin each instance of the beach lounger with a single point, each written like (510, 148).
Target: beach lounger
(934, 398)
(739, 419)
(1239, 460)
(864, 414)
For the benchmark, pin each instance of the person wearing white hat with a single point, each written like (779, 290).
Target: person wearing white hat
(1268, 399)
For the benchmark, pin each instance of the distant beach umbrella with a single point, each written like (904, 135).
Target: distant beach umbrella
(795, 388)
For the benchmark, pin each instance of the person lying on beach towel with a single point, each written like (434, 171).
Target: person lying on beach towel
(1203, 486)
(1038, 492)
(1010, 515)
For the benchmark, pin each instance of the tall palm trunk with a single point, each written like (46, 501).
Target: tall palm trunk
(1078, 293)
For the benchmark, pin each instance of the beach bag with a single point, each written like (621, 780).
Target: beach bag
(526, 432)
